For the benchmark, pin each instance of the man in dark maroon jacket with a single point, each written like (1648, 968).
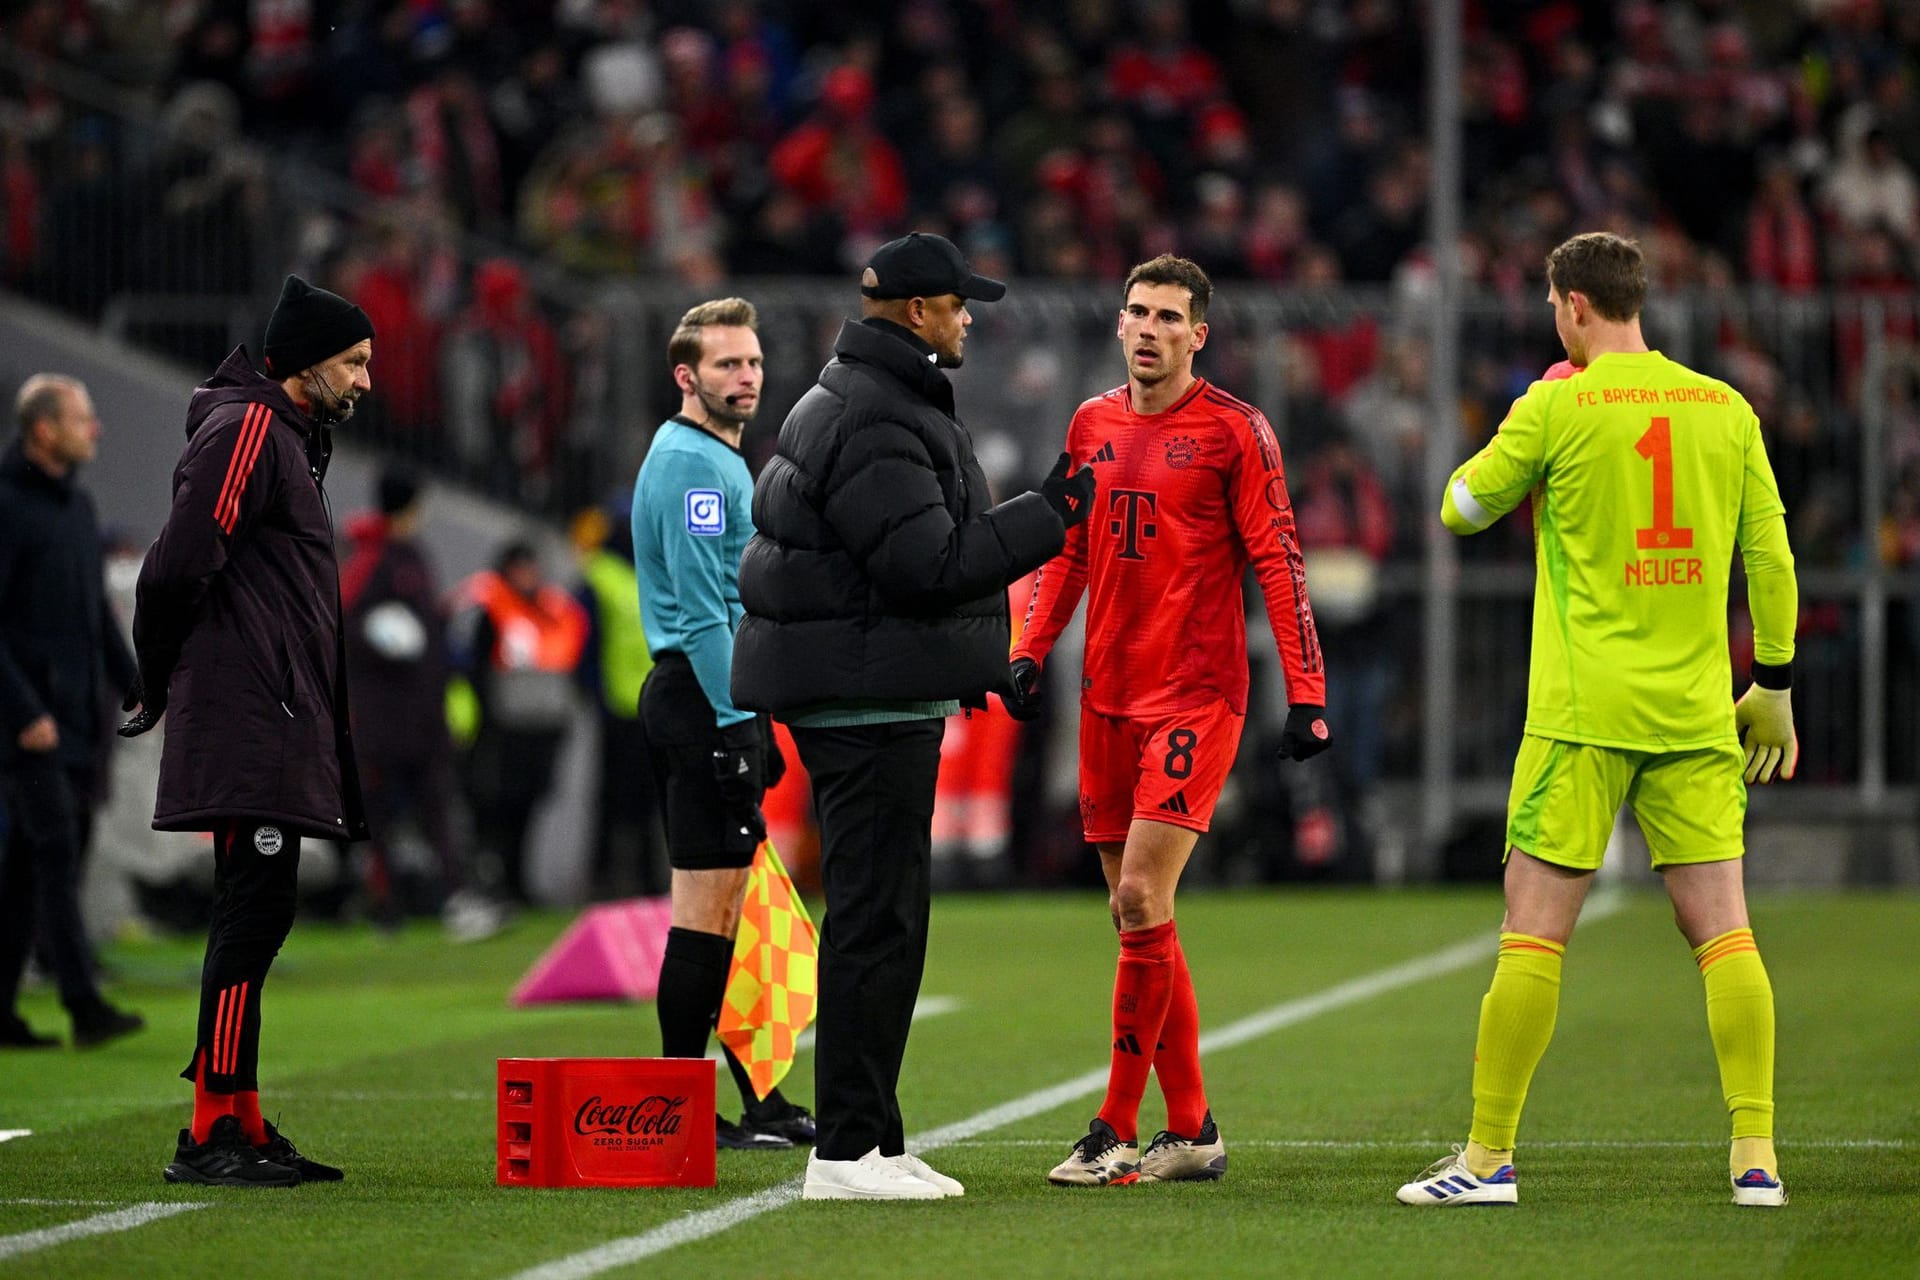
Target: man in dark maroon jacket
(237, 631)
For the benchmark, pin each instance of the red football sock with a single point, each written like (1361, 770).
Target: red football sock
(246, 1105)
(1176, 1060)
(1142, 984)
(207, 1107)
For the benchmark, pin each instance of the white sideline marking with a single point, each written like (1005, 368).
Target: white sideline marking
(1570, 1144)
(711, 1222)
(8, 1135)
(384, 1095)
(100, 1224)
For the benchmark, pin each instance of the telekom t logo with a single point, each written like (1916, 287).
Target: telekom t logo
(1132, 511)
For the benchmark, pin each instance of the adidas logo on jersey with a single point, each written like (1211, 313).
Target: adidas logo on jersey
(1104, 454)
(1175, 803)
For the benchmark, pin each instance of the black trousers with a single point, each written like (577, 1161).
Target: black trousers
(509, 775)
(48, 822)
(256, 873)
(627, 854)
(873, 792)
(394, 788)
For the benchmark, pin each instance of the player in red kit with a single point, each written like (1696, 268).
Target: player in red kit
(1191, 492)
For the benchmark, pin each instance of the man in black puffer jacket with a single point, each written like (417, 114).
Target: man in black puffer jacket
(876, 604)
(237, 629)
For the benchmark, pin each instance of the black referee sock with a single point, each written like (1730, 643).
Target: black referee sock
(693, 980)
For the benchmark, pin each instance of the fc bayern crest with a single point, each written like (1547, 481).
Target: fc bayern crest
(268, 841)
(1180, 452)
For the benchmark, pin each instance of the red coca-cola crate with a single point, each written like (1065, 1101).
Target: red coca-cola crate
(605, 1122)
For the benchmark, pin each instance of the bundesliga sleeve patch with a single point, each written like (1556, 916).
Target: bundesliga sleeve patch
(706, 513)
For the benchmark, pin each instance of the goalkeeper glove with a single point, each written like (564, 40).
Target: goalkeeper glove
(1305, 735)
(1024, 702)
(1764, 720)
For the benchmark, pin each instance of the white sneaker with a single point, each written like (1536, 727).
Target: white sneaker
(1099, 1159)
(871, 1177)
(1756, 1190)
(468, 917)
(1449, 1181)
(920, 1169)
(1172, 1158)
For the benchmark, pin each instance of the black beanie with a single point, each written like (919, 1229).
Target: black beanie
(310, 326)
(396, 491)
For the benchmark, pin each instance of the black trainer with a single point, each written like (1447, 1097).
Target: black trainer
(277, 1149)
(783, 1119)
(103, 1023)
(728, 1136)
(16, 1034)
(225, 1160)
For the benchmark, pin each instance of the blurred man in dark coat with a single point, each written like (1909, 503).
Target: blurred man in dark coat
(60, 647)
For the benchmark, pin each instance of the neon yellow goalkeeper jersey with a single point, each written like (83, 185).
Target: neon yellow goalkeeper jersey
(1648, 473)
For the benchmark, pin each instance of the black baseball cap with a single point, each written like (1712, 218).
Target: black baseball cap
(922, 265)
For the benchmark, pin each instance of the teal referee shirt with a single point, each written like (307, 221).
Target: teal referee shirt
(692, 517)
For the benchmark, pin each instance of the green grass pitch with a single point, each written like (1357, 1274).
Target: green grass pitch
(379, 1054)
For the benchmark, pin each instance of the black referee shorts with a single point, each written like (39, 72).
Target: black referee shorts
(702, 834)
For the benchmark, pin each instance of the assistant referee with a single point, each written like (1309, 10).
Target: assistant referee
(711, 761)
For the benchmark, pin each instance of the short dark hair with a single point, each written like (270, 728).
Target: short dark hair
(39, 398)
(1609, 269)
(396, 490)
(1168, 269)
(685, 345)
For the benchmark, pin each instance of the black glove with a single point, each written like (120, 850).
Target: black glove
(1306, 733)
(740, 761)
(1024, 702)
(1071, 496)
(740, 767)
(150, 709)
(776, 759)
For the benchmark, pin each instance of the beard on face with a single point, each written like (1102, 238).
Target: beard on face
(329, 408)
(719, 410)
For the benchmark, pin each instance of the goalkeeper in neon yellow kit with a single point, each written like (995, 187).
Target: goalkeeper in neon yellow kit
(1646, 477)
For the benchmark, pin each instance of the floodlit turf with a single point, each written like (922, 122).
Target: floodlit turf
(379, 1056)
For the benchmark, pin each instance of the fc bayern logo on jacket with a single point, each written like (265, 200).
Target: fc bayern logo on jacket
(1180, 452)
(268, 841)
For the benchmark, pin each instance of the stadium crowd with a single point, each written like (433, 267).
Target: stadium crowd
(498, 163)
(1278, 141)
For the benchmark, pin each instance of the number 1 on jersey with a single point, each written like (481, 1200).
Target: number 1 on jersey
(1657, 447)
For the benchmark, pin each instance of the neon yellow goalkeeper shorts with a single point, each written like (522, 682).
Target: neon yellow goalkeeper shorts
(1692, 805)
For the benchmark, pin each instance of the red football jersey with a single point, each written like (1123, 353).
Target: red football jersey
(1185, 499)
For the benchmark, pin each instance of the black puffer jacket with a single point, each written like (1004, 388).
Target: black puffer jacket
(879, 570)
(238, 618)
(60, 645)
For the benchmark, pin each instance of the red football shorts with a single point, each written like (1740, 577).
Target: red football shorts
(1169, 769)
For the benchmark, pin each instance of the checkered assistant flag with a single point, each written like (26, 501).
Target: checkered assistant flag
(772, 989)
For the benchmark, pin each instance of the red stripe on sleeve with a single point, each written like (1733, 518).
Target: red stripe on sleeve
(233, 461)
(253, 434)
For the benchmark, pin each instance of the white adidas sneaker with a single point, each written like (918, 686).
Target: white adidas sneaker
(1755, 1189)
(1449, 1181)
(920, 1169)
(871, 1177)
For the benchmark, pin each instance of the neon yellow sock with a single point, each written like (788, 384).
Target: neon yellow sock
(1740, 1017)
(1752, 1153)
(1516, 1022)
(1482, 1162)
